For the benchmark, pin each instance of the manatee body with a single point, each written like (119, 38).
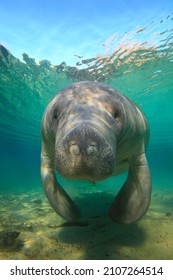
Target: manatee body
(91, 131)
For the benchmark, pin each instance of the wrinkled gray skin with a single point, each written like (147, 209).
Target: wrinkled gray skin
(91, 131)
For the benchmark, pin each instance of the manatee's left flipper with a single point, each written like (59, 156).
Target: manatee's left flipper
(133, 199)
(58, 198)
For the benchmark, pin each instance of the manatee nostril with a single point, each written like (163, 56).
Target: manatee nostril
(91, 149)
(74, 149)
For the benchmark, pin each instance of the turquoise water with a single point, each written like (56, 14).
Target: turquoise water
(138, 64)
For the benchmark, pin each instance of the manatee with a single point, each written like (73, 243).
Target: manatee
(91, 131)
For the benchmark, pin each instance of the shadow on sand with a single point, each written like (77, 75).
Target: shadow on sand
(96, 235)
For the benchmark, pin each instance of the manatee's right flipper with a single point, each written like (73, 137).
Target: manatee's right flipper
(58, 198)
(133, 199)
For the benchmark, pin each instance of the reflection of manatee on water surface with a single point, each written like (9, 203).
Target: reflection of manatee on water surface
(90, 131)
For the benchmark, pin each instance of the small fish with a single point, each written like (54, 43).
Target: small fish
(71, 224)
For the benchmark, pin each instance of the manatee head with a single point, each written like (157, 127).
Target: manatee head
(85, 121)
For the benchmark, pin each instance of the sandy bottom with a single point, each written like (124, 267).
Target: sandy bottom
(42, 234)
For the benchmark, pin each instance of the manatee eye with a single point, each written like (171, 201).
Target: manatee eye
(116, 114)
(55, 115)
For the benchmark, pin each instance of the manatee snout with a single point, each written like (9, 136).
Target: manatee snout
(80, 151)
(76, 148)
